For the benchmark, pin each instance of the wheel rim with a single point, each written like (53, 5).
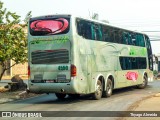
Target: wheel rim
(144, 81)
(109, 88)
(99, 89)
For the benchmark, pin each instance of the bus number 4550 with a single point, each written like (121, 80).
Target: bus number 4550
(62, 67)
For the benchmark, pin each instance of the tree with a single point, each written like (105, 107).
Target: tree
(13, 41)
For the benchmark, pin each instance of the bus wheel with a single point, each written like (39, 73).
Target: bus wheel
(109, 88)
(98, 93)
(60, 95)
(144, 84)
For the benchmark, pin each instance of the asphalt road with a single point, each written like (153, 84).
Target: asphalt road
(119, 101)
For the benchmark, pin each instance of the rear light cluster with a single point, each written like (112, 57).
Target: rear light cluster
(73, 70)
(29, 72)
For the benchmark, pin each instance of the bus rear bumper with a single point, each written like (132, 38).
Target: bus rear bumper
(67, 88)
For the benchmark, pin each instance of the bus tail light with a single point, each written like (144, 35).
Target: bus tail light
(29, 72)
(73, 71)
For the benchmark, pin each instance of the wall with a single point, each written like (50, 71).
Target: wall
(20, 69)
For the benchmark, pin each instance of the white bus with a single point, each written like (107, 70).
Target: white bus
(70, 55)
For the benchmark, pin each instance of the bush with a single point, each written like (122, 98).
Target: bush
(155, 72)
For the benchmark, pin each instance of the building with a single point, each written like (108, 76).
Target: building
(157, 65)
(19, 69)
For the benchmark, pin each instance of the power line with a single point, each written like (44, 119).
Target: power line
(155, 40)
(150, 31)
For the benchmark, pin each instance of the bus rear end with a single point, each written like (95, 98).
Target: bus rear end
(49, 51)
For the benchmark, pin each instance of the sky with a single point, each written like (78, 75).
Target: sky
(137, 15)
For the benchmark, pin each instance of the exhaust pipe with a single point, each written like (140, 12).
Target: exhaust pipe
(62, 90)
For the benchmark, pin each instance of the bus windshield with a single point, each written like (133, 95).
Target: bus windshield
(49, 26)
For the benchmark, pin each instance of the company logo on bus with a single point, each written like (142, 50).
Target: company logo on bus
(132, 76)
(53, 26)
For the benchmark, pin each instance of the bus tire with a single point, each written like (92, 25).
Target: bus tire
(60, 95)
(109, 88)
(98, 93)
(144, 84)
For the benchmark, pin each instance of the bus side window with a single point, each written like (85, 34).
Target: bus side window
(128, 63)
(88, 34)
(79, 27)
(122, 63)
(92, 32)
(125, 38)
(134, 63)
(149, 51)
(96, 32)
(84, 29)
(100, 33)
(133, 37)
(129, 39)
(142, 64)
(105, 33)
(140, 40)
(111, 35)
(118, 36)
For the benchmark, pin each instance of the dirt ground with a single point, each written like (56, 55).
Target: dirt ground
(7, 96)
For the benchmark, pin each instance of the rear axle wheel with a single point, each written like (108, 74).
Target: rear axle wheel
(98, 93)
(109, 88)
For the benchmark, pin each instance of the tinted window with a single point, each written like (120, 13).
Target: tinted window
(133, 37)
(111, 34)
(84, 29)
(140, 40)
(118, 35)
(99, 32)
(108, 34)
(158, 66)
(149, 51)
(130, 63)
(89, 30)
(127, 38)
(40, 27)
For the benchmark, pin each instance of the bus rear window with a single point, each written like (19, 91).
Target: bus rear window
(49, 26)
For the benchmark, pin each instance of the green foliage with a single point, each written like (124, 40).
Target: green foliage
(155, 72)
(13, 40)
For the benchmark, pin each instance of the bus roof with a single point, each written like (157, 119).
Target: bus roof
(108, 24)
(85, 18)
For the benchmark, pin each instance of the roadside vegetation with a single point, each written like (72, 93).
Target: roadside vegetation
(13, 40)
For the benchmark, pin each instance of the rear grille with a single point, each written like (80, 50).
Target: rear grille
(50, 57)
(38, 77)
